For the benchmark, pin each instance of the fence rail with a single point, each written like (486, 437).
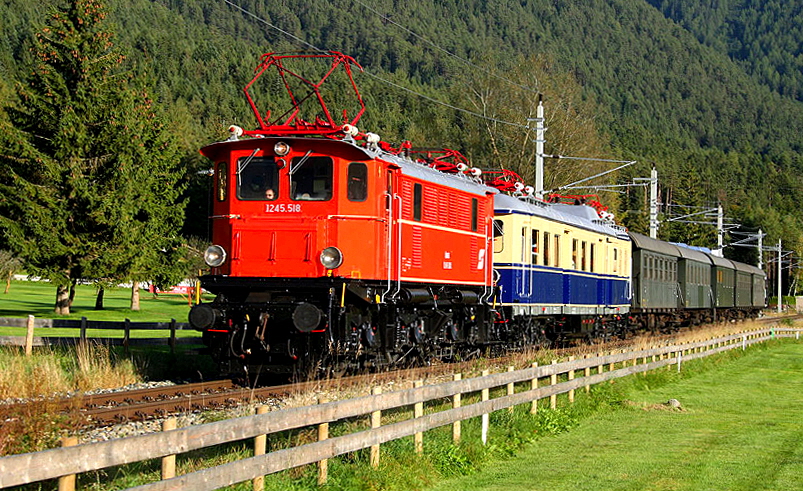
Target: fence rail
(33, 467)
(84, 324)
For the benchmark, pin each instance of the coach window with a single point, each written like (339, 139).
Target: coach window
(557, 251)
(257, 178)
(499, 235)
(615, 259)
(417, 192)
(591, 258)
(546, 248)
(574, 253)
(357, 187)
(583, 261)
(311, 178)
(523, 244)
(222, 179)
(534, 245)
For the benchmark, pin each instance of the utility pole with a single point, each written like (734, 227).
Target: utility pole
(720, 230)
(780, 293)
(760, 249)
(539, 149)
(654, 203)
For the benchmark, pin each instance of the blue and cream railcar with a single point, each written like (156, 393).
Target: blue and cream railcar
(561, 267)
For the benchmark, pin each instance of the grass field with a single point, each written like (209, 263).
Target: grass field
(739, 429)
(38, 298)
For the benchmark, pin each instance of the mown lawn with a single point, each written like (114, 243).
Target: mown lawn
(38, 298)
(740, 429)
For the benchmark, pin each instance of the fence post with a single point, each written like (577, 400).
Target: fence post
(533, 386)
(456, 429)
(587, 372)
(680, 357)
(260, 447)
(126, 334)
(612, 366)
(323, 434)
(485, 417)
(82, 334)
(601, 367)
(571, 377)
(511, 388)
(553, 399)
(169, 461)
(172, 341)
(29, 337)
(418, 411)
(376, 422)
(67, 483)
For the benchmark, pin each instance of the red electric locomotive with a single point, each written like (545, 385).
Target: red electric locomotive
(332, 248)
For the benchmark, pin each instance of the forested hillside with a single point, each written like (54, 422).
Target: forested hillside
(764, 37)
(620, 79)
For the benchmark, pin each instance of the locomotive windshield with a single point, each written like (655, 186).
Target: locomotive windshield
(311, 178)
(257, 179)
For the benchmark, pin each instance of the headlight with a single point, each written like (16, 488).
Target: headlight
(331, 258)
(214, 256)
(281, 149)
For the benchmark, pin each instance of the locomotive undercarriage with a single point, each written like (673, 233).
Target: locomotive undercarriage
(331, 325)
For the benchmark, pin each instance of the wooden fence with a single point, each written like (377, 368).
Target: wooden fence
(66, 462)
(84, 324)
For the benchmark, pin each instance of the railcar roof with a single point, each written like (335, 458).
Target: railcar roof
(693, 254)
(721, 261)
(650, 244)
(580, 216)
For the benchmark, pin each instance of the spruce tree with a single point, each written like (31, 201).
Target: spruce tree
(81, 156)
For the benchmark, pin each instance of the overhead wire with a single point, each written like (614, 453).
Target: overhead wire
(372, 75)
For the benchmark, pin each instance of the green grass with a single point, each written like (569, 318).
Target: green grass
(739, 430)
(37, 298)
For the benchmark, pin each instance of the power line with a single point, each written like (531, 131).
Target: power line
(439, 48)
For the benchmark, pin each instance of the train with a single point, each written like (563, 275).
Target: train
(333, 250)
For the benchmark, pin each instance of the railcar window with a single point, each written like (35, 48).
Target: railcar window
(574, 253)
(557, 251)
(499, 235)
(592, 257)
(615, 259)
(357, 188)
(546, 248)
(523, 244)
(417, 192)
(222, 179)
(311, 178)
(257, 178)
(474, 214)
(534, 245)
(583, 261)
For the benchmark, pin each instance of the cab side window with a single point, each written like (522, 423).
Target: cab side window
(357, 188)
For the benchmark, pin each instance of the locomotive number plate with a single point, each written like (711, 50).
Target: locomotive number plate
(282, 208)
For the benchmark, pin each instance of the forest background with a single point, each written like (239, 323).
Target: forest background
(709, 93)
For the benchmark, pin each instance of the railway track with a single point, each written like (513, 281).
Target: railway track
(141, 404)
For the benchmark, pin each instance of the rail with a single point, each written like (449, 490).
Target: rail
(68, 461)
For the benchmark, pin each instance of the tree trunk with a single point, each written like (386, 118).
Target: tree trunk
(135, 296)
(62, 300)
(99, 299)
(8, 281)
(72, 291)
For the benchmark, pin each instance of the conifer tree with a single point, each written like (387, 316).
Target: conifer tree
(88, 178)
